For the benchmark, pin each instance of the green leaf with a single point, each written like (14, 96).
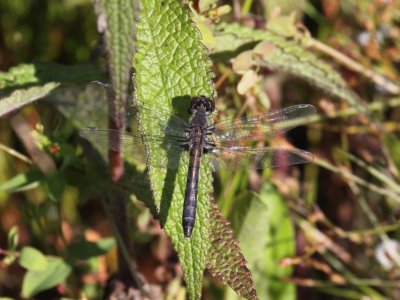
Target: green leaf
(32, 259)
(119, 35)
(280, 245)
(23, 97)
(23, 182)
(172, 65)
(25, 75)
(250, 222)
(232, 39)
(291, 57)
(266, 236)
(29, 83)
(85, 249)
(284, 54)
(36, 281)
(225, 260)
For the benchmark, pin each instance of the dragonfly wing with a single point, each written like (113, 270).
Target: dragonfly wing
(163, 121)
(135, 146)
(255, 128)
(236, 158)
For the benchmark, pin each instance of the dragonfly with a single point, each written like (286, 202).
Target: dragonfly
(231, 144)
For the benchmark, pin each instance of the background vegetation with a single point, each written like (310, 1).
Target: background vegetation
(325, 230)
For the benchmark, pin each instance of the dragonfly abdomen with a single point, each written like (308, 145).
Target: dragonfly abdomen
(190, 202)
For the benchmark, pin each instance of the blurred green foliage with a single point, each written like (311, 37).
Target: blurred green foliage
(44, 31)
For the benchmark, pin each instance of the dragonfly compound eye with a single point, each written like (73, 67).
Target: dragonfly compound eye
(204, 101)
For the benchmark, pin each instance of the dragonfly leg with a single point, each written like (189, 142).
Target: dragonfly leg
(188, 128)
(211, 128)
(209, 146)
(184, 144)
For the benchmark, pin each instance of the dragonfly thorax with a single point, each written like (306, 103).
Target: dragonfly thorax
(198, 129)
(197, 136)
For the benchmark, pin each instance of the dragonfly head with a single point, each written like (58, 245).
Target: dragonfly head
(202, 101)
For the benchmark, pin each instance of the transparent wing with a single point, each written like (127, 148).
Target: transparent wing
(164, 121)
(231, 137)
(229, 158)
(135, 145)
(236, 158)
(255, 128)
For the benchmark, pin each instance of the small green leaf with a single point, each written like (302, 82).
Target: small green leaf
(85, 249)
(23, 182)
(32, 259)
(36, 281)
(12, 238)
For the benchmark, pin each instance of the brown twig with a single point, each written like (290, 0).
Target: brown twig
(16, 154)
(379, 79)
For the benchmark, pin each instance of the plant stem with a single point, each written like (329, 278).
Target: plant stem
(347, 175)
(124, 255)
(16, 154)
(380, 80)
